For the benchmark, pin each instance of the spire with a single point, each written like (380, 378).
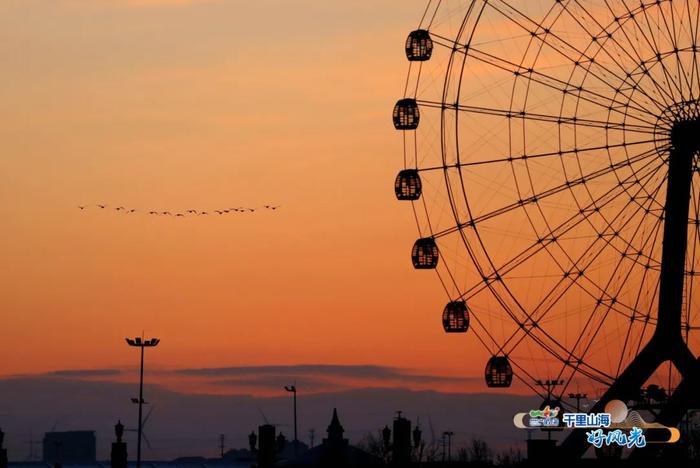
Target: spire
(335, 429)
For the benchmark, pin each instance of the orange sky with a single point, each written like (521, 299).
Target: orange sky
(207, 104)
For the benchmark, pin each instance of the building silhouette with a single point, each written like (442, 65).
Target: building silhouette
(267, 450)
(3, 451)
(335, 451)
(401, 448)
(70, 447)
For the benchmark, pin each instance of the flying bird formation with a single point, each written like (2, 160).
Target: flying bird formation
(180, 214)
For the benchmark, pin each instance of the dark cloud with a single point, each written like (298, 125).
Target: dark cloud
(272, 382)
(84, 373)
(281, 374)
(367, 371)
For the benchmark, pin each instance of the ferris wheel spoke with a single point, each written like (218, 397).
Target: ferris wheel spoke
(652, 38)
(525, 255)
(531, 156)
(536, 323)
(609, 36)
(583, 368)
(638, 316)
(545, 33)
(663, 93)
(612, 298)
(605, 102)
(522, 371)
(503, 271)
(695, 41)
(525, 115)
(610, 30)
(666, 93)
(605, 239)
(682, 73)
(475, 221)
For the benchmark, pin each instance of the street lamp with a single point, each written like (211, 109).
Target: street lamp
(139, 342)
(293, 389)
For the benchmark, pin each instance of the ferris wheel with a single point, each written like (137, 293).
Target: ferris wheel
(551, 160)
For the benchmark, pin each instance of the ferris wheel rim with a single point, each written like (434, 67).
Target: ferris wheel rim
(437, 234)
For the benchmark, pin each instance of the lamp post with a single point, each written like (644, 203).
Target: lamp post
(293, 390)
(139, 342)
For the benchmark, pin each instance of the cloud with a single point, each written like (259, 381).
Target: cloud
(330, 372)
(77, 373)
(273, 382)
(313, 369)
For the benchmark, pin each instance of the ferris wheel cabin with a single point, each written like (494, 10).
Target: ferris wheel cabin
(425, 254)
(498, 373)
(406, 114)
(455, 317)
(419, 46)
(408, 185)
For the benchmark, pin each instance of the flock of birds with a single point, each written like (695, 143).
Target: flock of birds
(183, 214)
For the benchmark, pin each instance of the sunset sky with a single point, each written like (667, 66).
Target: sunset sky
(206, 104)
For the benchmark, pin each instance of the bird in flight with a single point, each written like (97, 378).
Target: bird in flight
(181, 214)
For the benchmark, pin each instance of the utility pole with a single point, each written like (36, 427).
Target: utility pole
(221, 445)
(140, 342)
(549, 385)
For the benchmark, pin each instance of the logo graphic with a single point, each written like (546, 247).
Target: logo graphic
(546, 417)
(617, 425)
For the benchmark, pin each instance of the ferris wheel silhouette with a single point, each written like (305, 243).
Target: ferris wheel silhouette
(551, 160)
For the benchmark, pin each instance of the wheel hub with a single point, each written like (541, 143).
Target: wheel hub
(681, 124)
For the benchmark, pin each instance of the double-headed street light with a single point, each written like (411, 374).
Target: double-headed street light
(139, 342)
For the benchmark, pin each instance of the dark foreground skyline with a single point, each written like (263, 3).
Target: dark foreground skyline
(190, 425)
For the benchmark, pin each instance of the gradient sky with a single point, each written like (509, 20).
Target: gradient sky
(176, 105)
